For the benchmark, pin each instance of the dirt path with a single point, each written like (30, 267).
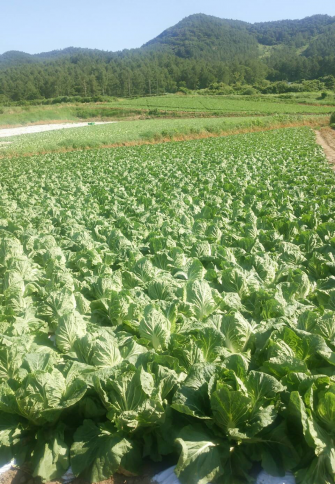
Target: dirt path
(326, 138)
(4, 133)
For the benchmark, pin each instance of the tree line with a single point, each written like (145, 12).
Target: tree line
(90, 76)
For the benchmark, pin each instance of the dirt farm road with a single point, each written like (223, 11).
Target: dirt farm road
(325, 137)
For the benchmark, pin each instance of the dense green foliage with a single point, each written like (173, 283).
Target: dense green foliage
(144, 317)
(196, 52)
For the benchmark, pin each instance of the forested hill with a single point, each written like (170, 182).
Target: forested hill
(296, 33)
(203, 36)
(196, 52)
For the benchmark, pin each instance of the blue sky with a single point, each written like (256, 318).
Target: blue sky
(41, 25)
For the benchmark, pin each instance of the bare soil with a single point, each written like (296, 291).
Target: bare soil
(325, 137)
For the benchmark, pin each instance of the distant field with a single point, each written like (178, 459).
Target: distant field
(23, 115)
(170, 106)
(304, 97)
(224, 104)
(142, 130)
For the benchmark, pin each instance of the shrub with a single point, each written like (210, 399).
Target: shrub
(332, 119)
(249, 92)
(147, 135)
(153, 112)
(184, 90)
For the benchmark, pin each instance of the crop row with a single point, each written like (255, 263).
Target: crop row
(142, 130)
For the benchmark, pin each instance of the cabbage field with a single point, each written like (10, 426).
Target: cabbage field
(174, 301)
(142, 130)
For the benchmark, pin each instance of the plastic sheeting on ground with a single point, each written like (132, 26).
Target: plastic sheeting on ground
(169, 477)
(68, 476)
(7, 467)
(166, 477)
(265, 478)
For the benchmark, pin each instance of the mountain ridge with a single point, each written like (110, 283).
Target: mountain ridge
(249, 26)
(195, 53)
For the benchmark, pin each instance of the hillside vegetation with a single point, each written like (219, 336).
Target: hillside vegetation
(197, 52)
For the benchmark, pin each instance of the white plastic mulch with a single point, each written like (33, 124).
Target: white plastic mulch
(68, 476)
(169, 477)
(265, 478)
(6, 132)
(166, 477)
(7, 467)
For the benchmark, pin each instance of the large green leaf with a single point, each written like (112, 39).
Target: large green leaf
(99, 451)
(237, 331)
(10, 434)
(128, 397)
(43, 395)
(155, 328)
(70, 327)
(50, 458)
(199, 294)
(201, 459)
(192, 398)
(262, 387)
(326, 411)
(231, 409)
